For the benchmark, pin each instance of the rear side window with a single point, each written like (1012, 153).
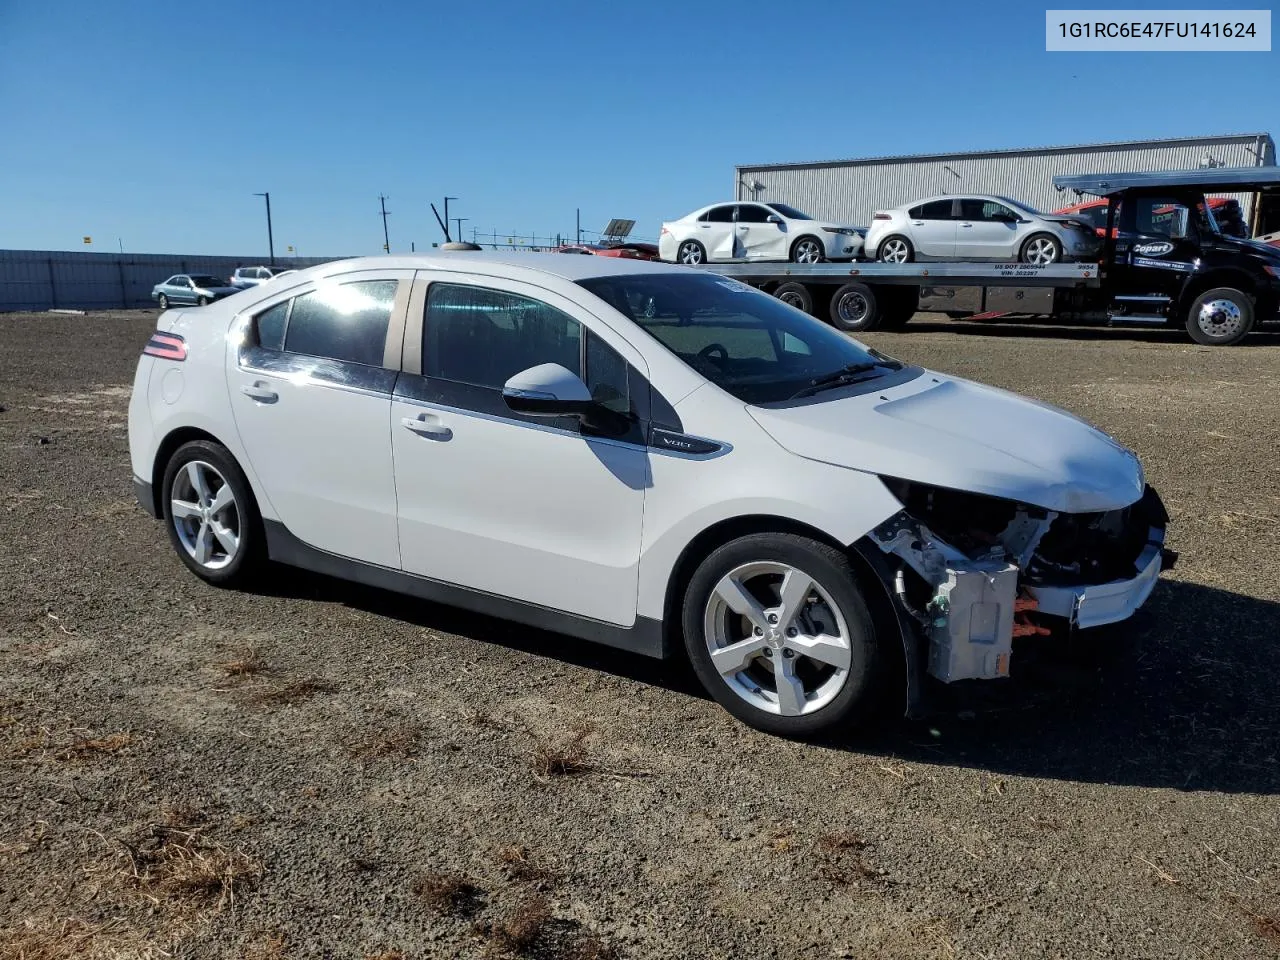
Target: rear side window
(723, 214)
(342, 321)
(483, 337)
(936, 210)
(270, 326)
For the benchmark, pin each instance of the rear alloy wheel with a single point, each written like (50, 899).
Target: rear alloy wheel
(854, 308)
(692, 253)
(808, 250)
(779, 634)
(896, 249)
(1220, 317)
(210, 512)
(164, 302)
(796, 295)
(1042, 249)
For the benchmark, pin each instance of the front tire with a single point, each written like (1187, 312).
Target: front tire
(1041, 249)
(691, 253)
(211, 515)
(780, 635)
(808, 250)
(1220, 317)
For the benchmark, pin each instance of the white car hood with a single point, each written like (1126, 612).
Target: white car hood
(954, 433)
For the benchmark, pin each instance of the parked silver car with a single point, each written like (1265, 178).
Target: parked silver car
(977, 228)
(252, 276)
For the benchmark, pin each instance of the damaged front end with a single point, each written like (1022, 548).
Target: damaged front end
(975, 571)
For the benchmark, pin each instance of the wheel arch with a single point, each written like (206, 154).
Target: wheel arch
(165, 451)
(870, 568)
(1198, 283)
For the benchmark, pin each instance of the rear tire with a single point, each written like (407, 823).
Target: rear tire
(768, 596)
(854, 308)
(164, 302)
(796, 295)
(895, 249)
(202, 302)
(1220, 317)
(211, 515)
(691, 253)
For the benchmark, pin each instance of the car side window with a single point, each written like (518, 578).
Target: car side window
(752, 213)
(997, 212)
(483, 337)
(721, 214)
(270, 326)
(937, 210)
(342, 321)
(606, 375)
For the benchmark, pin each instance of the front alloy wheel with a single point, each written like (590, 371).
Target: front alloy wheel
(807, 250)
(778, 633)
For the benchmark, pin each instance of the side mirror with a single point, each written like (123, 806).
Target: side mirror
(773, 218)
(547, 390)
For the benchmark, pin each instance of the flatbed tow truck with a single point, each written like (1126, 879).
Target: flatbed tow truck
(1164, 263)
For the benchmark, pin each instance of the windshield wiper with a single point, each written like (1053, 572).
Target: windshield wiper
(850, 373)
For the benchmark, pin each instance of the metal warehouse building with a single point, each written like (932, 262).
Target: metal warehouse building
(849, 191)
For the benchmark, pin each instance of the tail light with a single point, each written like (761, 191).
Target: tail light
(665, 231)
(881, 215)
(166, 346)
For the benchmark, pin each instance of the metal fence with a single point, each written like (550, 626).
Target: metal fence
(54, 279)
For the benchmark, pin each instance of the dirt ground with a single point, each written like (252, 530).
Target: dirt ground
(318, 769)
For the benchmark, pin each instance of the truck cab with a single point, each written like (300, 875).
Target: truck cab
(1167, 260)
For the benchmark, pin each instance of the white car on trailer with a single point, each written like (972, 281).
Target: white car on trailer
(741, 231)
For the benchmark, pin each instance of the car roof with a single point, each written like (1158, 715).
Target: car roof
(514, 264)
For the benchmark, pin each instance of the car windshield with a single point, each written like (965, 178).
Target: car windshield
(1019, 205)
(204, 280)
(791, 213)
(746, 342)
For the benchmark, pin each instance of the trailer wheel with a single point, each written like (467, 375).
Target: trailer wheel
(1220, 317)
(796, 295)
(854, 308)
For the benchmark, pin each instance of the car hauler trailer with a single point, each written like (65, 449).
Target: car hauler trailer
(1166, 264)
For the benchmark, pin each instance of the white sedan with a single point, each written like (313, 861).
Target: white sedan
(725, 232)
(977, 228)
(637, 454)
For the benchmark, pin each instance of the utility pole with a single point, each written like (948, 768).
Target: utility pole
(386, 239)
(413, 247)
(458, 221)
(271, 244)
(578, 216)
(446, 217)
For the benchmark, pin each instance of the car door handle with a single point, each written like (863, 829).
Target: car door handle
(427, 425)
(917, 223)
(260, 391)
(966, 224)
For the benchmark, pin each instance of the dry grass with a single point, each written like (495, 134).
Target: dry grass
(279, 695)
(841, 861)
(449, 893)
(400, 741)
(184, 869)
(520, 865)
(269, 947)
(70, 938)
(95, 746)
(248, 663)
(589, 946)
(568, 757)
(520, 931)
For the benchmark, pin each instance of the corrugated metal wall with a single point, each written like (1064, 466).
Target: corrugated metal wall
(53, 279)
(850, 191)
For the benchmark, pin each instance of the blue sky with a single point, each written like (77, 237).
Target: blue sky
(155, 123)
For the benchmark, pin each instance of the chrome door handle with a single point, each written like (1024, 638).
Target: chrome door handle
(966, 224)
(427, 425)
(260, 391)
(917, 223)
